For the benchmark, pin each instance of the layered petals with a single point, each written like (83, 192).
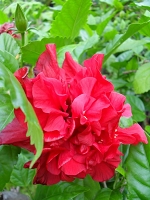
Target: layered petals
(131, 135)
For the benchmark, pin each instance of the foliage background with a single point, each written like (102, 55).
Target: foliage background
(120, 30)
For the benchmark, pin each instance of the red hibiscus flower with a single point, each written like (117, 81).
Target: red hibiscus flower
(8, 28)
(79, 112)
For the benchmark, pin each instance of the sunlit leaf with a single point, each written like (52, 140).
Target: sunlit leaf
(132, 29)
(18, 99)
(142, 79)
(9, 61)
(6, 110)
(125, 122)
(71, 18)
(101, 26)
(8, 43)
(3, 17)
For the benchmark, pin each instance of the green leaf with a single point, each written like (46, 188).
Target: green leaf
(102, 25)
(120, 170)
(116, 195)
(90, 184)
(147, 128)
(118, 83)
(103, 194)
(115, 3)
(9, 61)
(6, 110)
(8, 43)
(76, 50)
(18, 99)
(20, 176)
(83, 46)
(8, 158)
(108, 194)
(3, 17)
(132, 29)
(138, 171)
(60, 191)
(131, 44)
(32, 51)
(141, 81)
(71, 18)
(59, 2)
(137, 106)
(145, 30)
(62, 50)
(145, 4)
(104, 21)
(125, 122)
(132, 64)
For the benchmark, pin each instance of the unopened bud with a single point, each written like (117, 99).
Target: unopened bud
(20, 19)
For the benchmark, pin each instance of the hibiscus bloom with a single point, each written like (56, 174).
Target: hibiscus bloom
(8, 28)
(79, 112)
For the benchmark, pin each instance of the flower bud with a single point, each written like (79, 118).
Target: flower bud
(20, 19)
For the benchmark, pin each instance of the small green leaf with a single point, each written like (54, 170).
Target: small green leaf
(18, 99)
(71, 18)
(147, 128)
(141, 82)
(81, 47)
(132, 64)
(90, 184)
(60, 191)
(118, 83)
(125, 122)
(137, 106)
(8, 158)
(8, 43)
(103, 194)
(6, 110)
(132, 29)
(3, 17)
(62, 50)
(20, 176)
(138, 171)
(9, 61)
(104, 21)
(116, 195)
(121, 170)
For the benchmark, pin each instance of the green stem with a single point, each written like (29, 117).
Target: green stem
(116, 180)
(104, 184)
(23, 43)
(23, 38)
